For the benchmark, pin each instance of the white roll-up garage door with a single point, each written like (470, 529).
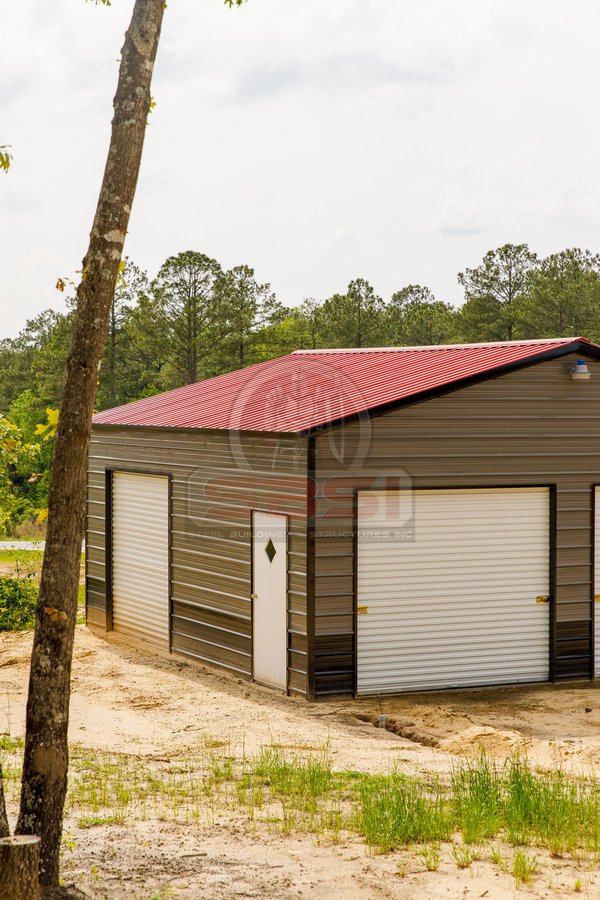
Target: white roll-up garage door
(456, 596)
(140, 556)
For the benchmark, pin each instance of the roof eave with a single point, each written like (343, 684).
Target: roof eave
(255, 432)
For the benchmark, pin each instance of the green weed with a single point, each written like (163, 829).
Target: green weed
(431, 858)
(497, 858)
(298, 792)
(553, 810)
(524, 867)
(394, 811)
(94, 821)
(10, 745)
(463, 856)
(477, 800)
(303, 780)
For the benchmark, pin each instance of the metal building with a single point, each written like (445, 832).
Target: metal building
(359, 521)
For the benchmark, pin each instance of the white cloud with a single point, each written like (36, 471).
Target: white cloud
(316, 141)
(345, 242)
(465, 215)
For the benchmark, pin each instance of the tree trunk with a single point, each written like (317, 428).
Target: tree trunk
(113, 352)
(45, 760)
(4, 828)
(19, 864)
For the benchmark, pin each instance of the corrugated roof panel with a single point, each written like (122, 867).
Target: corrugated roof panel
(308, 389)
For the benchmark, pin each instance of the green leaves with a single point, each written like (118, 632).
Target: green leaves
(5, 157)
(494, 292)
(415, 318)
(355, 318)
(18, 599)
(48, 428)
(18, 459)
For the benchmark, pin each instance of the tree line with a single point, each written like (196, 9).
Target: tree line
(195, 320)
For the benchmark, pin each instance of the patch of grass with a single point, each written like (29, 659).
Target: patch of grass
(304, 780)
(95, 821)
(463, 856)
(553, 810)
(220, 768)
(477, 800)
(18, 599)
(497, 858)
(431, 858)
(524, 867)
(10, 745)
(298, 792)
(394, 811)
(22, 557)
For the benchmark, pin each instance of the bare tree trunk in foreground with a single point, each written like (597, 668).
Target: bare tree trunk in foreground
(19, 863)
(4, 829)
(45, 763)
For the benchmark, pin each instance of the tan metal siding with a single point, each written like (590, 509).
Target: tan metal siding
(533, 426)
(215, 484)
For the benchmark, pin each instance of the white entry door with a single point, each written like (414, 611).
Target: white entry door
(140, 556)
(597, 583)
(458, 599)
(269, 561)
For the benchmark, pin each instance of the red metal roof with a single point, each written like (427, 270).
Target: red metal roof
(308, 389)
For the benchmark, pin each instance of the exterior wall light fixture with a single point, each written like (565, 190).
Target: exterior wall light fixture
(580, 372)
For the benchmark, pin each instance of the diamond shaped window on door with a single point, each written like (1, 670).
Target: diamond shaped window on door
(270, 550)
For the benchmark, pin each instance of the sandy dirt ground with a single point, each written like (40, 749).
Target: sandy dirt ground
(127, 698)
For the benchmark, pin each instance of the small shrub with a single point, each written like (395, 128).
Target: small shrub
(18, 599)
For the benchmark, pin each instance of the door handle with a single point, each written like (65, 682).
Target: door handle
(543, 598)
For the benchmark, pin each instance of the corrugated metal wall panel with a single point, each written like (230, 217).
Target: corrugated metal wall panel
(140, 556)
(531, 426)
(215, 483)
(95, 592)
(597, 581)
(455, 602)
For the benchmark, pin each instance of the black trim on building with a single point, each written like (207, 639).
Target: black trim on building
(310, 569)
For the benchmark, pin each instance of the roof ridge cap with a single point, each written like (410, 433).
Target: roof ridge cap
(533, 342)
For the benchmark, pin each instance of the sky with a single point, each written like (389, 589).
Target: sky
(315, 140)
